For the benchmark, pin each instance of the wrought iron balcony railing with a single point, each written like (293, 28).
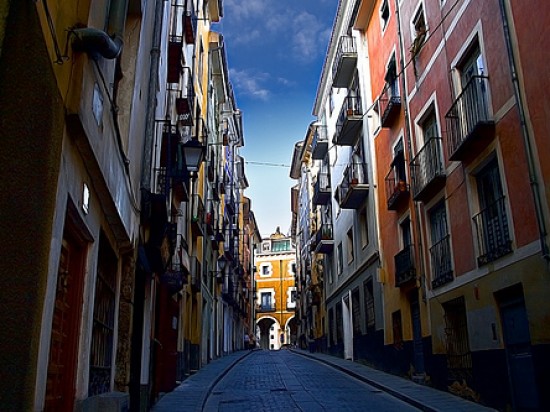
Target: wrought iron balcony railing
(354, 188)
(321, 189)
(344, 62)
(197, 215)
(324, 239)
(390, 105)
(493, 237)
(405, 271)
(428, 170)
(349, 122)
(469, 125)
(440, 254)
(397, 191)
(266, 308)
(319, 146)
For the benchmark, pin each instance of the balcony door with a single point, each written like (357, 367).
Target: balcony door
(267, 302)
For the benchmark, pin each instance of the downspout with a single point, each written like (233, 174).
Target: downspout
(407, 132)
(97, 42)
(525, 133)
(151, 99)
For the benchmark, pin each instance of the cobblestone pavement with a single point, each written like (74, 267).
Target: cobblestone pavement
(283, 381)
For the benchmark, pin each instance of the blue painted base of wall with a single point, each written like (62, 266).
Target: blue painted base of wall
(489, 378)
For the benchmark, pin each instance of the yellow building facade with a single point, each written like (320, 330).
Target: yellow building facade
(275, 292)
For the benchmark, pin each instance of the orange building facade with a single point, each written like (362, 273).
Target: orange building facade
(275, 289)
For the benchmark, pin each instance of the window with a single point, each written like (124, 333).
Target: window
(369, 304)
(364, 227)
(266, 301)
(405, 228)
(329, 268)
(471, 65)
(266, 269)
(280, 245)
(491, 222)
(419, 30)
(391, 78)
(266, 246)
(291, 298)
(350, 245)
(398, 162)
(101, 351)
(331, 101)
(384, 14)
(340, 258)
(440, 250)
(429, 126)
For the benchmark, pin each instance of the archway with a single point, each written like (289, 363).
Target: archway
(269, 328)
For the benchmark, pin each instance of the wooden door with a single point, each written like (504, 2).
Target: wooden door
(60, 384)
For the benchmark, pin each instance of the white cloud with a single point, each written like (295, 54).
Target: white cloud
(307, 39)
(250, 83)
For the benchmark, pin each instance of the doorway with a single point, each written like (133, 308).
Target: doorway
(517, 343)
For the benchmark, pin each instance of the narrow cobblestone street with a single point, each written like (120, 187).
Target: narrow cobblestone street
(284, 381)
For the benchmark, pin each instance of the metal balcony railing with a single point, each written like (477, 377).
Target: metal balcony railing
(440, 254)
(321, 189)
(428, 170)
(405, 271)
(266, 308)
(397, 191)
(324, 239)
(344, 62)
(390, 105)
(197, 215)
(349, 122)
(468, 120)
(354, 188)
(493, 237)
(319, 145)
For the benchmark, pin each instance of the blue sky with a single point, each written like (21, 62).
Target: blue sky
(275, 51)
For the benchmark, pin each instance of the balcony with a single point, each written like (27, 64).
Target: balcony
(321, 189)
(266, 308)
(324, 239)
(319, 146)
(405, 272)
(197, 216)
(469, 126)
(345, 62)
(350, 122)
(354, 189)
(493, 236)
(185, 102)
(428, 171)
(390, 106)
(397, 188)
(442, 271)
(210, 221)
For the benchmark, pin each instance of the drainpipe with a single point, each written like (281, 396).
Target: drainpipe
(525, 133)
(97, 42)
(151, 99)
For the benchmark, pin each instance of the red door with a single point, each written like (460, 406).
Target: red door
(60, 384)
(167, 340)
